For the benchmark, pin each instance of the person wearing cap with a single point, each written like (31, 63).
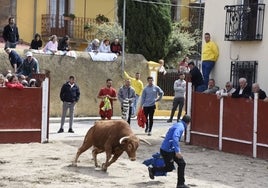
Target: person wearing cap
(29, 65)
(171, 152)
(14, 58)
(179, 89)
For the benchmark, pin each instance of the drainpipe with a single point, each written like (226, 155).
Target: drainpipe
(124, 31)
(34, 17)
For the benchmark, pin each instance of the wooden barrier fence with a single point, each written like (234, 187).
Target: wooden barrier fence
(232, 125)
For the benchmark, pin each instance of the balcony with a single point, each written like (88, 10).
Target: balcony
(244, 22)
(60, 26)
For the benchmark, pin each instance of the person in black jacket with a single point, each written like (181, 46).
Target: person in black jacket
(243, 91)
(256, 89)
(11, 33)
(196, 78)
(64, 44)
(69, 95)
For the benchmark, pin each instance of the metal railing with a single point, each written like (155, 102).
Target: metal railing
(246, 69)
(244, 22)
(59, 25)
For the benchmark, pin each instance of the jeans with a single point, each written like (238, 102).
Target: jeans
(135, 104)
(149, 111)
(207, 66)
(179, 101)
(170, 158)
(65, 107)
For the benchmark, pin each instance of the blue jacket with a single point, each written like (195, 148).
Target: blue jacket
(171, 142)
(150, 94)
(69, 94)
(14, 58)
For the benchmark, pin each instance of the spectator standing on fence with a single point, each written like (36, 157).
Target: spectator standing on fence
(15, 59)
(37, 42)
(210, 54)
(107, 95)
(227, 91)
(69, 95)
(126, 96)
(150, 95)
(11, 34)
(137, 84)
(256, 89)
(196, 78)
(29, 66)
(179, 90)
(243, 91)
(212, 88)
(171, 152)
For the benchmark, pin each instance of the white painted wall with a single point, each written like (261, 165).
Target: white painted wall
(214, 23)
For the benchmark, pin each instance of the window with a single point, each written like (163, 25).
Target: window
(244, 22)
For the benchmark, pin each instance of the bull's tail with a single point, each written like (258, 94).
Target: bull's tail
(85, 146)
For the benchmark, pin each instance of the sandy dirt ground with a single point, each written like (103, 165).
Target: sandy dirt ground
(37, 165)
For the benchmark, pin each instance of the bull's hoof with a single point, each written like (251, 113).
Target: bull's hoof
(104, 168)
(73, 165)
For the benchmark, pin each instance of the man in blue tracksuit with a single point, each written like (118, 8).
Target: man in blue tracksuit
(170, 151)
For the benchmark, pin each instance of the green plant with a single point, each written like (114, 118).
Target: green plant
(71, 16)
(88, 27)
(100, 18)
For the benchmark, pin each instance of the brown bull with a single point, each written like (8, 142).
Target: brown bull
(110, 136)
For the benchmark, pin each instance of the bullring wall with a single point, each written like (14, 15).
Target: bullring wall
(90, 77)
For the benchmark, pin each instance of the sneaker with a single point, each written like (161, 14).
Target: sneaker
(60, 130)
(70, 131)
(151, 174)
(183, 186)
(169, 120)
(149, 133)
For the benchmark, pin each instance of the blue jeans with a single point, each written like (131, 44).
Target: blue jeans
(207, 66)
(134, 107)
(200, 88)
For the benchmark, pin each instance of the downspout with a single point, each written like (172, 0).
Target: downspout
(34, 17)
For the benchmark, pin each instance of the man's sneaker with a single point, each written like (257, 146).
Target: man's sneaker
(70, 131)
(151, 173)
(169, 120)
(60, 130)
(149, 133)
(183, 186)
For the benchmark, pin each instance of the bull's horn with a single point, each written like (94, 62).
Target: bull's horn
(145, 141)
(123, 138)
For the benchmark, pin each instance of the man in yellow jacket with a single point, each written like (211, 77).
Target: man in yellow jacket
(137, 84)
(210, 54)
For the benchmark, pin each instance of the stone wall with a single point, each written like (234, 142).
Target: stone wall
(90, 76)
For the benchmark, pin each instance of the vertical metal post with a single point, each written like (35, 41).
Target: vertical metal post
(123, 44)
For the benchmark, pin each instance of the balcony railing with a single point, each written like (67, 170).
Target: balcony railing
(58, 25)
(244, 22)
(245, 69)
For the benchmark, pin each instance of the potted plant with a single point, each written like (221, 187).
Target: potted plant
(69, 16)
(100, 18)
